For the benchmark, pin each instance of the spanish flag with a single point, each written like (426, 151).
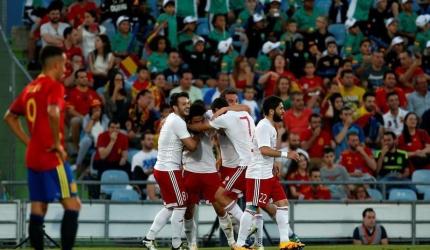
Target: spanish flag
(129, 65)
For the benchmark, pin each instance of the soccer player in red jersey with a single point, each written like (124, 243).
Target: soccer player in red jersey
(49, 178)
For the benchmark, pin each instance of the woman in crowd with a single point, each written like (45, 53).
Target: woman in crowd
(101, 60)
(88, 32)
(242, 74)
(116, 99)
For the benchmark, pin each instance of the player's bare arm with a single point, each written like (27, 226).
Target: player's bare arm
(12, 120)
(237, 107)
(201, 127)
(268, 151)
(54, 124)
(191, 143)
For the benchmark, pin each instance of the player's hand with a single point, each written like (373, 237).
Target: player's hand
(293, 155)
(59, 150)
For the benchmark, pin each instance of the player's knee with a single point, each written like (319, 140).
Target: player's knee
(72, 204)
(189, 213)
(282, 203)
(39, 208)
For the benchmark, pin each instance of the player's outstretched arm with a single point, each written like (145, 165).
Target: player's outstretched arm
(268, 151)
(12, 120)
(199, 127)
(191, 143)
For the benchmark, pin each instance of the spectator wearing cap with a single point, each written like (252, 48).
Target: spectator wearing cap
(377, 17)
(79, 103)
(256, 33)
(264, 60)
(397, 46)
(337, 11)
(329, 63)
(186, 85)
(353, 38)
(52, 31)
(342, 128)
(409, 68)
(423, 34)
(407, 18)
(321, 33)
(219, 32)
(359, 10)
(188, 33)
(228, 55)
(122, 42)
(394, 117)
(372, 74)
(76, 11)
(419, 100)
(390, 32)
(88, 32)
(93, 124)
(389, 86)
(174, 70)
(352, 95)
(157, 61)
(275, 17)
(167, 22)
(198, 60)
(247, 12)
(288, 36)
(306, 17)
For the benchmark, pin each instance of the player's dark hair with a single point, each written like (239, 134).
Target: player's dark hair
(271, 102)
(218, 103)
(390, 133)
(328, 150)
(79, 71)
(48, 53)
(196, 109)
(67, 31)
(228, 91)
(367, 210)
(174, 98)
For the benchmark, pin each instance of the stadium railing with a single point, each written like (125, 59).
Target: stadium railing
(105, 221)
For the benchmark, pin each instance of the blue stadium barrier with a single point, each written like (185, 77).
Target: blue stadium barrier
(125, 195)
(402, 194)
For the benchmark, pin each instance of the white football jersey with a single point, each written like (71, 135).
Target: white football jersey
(169, 143)
(239, 128)
(229, 156)
(262, 166)
(202, 160)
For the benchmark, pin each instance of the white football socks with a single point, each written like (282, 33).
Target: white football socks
(160, 221)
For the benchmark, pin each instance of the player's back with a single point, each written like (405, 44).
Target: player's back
(239, 128)
(33, 103)
(169, 143)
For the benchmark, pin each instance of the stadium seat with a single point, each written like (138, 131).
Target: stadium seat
(323, 6)
(427, 195)
(339, 32)
(125, 195)
(113, 176)
(422, 175)
(375, 194)
(202, 27)
(402, 194)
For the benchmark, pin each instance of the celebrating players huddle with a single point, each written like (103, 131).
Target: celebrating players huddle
(186, 169)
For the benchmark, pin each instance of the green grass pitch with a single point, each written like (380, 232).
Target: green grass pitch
(337, 247)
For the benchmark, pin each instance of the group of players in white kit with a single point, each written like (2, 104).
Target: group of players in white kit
(186, 170)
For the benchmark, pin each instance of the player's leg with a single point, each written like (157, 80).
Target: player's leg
(159, 222)
(190, 226)
(192, 182)
(232, 179)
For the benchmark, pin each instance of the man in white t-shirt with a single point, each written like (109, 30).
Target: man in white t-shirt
(174, 136)
(143, 162)
(393, 119)
(261, 183)
(52, 32)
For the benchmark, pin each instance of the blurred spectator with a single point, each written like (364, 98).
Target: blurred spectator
(282, 90)
(52, 31)
(228, 55)
(416, 142)
(298, 171)
(315, 138)
(198, 60)
(116, 99)
(359, 193)
(268, 54)
(292, 142)
(242, 75)
(422, 36)
(306, 17)
(269, 79)
(257, 33)
(370, 120)
(187, 34)
(359, 10)
(364, 53)
(167, 22)
(321, 33)
(157, 60)
(213, 93)
(77, 10)
(390, 32)
(330, 171)
(296, 119)
(111, 150)
(377, 26)
(173, 72)
(329, 63)
(101, 60)
(297, 56)
(93, 124)
(352, 94)
(157, 88)
(76, 63)
(389, 86)
(346, 126)
(419, 100)
(71, 43)
(123, 42)
(358, 159)
(397, 46)
(353, 38)
(79, 102)
(372, 74)
(370, 233)
(409, 69)
(392, 163)
(141, 117)
(249, 100)
(316, 191)
(88, 32)
(289, 34)
(407, 18)
(142, 164)
(334, 109)
(219, 32)
(425, 121)
(185, 8)
(113, 9)
(186, 85)
(310, 84)
(275, 17)
(142, 82)
(393, 119)
(247, 12)
(337, 11)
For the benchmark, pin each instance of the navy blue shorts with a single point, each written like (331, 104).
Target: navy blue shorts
(51, 185)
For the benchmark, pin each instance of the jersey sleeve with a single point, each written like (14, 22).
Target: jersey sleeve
(55, 94)
(263, 135)
(219, 122)
(18, 106)
(180, 129)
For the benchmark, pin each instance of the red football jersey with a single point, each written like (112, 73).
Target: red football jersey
(352, 160)
(33, 103)
(120, 145)
(81, 100)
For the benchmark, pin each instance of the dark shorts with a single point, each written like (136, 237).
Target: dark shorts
(51, 185)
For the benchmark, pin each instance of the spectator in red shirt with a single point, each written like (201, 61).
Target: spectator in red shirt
(316, 191)
(416, 142)
(358, 159)
(77, 11)
(389, 86)
(296, 119)
(298, 171)
(79, 103)
(315, 138)
(111, 150)
(71, 43)
(142, 82)
(409, 68)
(310, 84)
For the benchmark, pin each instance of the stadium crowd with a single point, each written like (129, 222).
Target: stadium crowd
(353, 77)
